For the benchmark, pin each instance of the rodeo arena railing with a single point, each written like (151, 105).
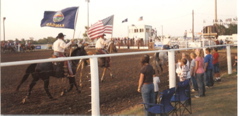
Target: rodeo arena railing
(95, 98)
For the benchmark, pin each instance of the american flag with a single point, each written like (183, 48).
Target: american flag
(101, 27)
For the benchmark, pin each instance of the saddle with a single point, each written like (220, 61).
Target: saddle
(59, 69)
(105, 61)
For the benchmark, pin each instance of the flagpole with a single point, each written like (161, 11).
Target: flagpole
(75, 24)
(112, 28)
(74, 30)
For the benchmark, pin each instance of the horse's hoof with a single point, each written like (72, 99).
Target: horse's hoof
(79, 91)
(62, 93)
(81, 85)
(52, 98)
(111, 75)
(23, 101)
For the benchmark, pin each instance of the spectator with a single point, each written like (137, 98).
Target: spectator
(199, 73)
(182, 70)
(208, 68)
(186, 56)
(156, 82)
(235, 63)
(216, 65)
(192, 68)
(145, 83)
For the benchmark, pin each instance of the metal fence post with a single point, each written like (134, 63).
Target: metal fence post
(95, 98)
(171, 68)
(229, 59)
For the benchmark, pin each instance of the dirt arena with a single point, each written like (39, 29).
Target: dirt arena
(116, 93)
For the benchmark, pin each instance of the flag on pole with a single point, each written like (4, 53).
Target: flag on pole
(125, 20)
(101, 27)
(140, 18)
(60, 19)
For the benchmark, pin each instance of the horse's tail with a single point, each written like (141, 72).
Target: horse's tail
(30, 70)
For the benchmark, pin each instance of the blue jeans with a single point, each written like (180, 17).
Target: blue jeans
(200, 83)
(216, 68)
(208, 77)
(194, 83)
(147, 92)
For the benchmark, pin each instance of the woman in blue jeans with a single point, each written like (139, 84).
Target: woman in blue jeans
(145, 84)
(199, 72)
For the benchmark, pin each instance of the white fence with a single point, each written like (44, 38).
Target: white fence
(94, 68)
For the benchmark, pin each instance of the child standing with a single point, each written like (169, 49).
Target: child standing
(216, 65)
(208, 68)
(183, 70)
(156, 82)
(235, 63)
(198, 72)
(192, 70)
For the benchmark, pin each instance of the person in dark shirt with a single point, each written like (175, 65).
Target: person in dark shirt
(145, 84)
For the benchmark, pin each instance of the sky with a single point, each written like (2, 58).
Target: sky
(172, 17)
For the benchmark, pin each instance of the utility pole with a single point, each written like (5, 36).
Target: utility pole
(162, 31)
(215, 12)
(193, 25)
(4, 18)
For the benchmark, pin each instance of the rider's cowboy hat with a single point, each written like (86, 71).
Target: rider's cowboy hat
(60, 35)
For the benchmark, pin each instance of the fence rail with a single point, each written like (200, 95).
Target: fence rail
(4, 64)
(94, 68)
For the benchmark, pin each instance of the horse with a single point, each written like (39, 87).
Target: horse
(101, 63)
(111, 47)
(9, 48)
(27, 47)
(159, 59)
(44, 71)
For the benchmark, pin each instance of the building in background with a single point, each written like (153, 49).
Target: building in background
(140, 32)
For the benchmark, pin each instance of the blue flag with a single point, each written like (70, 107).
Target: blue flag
(60, 19)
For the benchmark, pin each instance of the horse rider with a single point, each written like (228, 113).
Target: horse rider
(58, 51)
(100, 44)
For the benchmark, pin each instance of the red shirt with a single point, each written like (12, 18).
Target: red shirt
(215, 58)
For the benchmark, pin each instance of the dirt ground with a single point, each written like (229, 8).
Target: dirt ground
(116, 93)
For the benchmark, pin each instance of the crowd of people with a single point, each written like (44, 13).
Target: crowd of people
(202, 71)
(15, 45)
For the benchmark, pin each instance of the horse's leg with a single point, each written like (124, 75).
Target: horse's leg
(46, 83)
(104, 70)
(81, 74)
(23, 80)
(110, 71)
(156, 63)
(72, 82)
(33, 83)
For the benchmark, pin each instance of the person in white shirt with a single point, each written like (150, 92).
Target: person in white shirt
(182, 70)
(100, 44)
(156, 82)
(58, 51)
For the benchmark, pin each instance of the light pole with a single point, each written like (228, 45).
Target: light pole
(4, 18)
(162, 32)
(88, 12)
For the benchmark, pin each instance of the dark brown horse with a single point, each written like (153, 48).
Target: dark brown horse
(44, 71)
